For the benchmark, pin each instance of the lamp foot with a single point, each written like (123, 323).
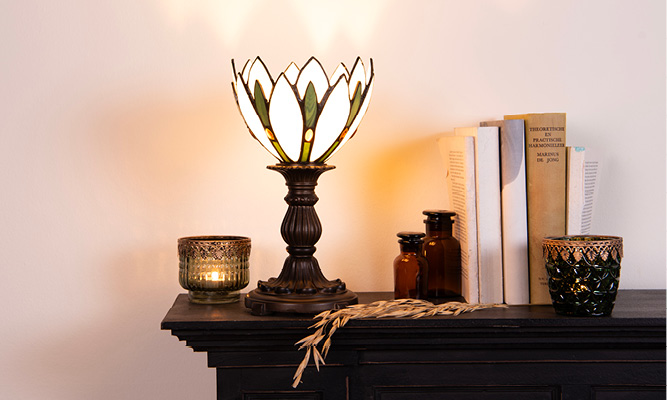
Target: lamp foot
(262, 303)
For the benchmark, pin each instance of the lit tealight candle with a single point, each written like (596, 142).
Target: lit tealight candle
(213, 268)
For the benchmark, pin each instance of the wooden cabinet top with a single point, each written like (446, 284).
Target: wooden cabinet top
(634, 308)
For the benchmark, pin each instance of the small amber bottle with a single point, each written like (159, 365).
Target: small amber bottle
(410, 267)
(443, 253)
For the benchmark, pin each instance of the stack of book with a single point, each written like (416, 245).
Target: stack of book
(513, 182)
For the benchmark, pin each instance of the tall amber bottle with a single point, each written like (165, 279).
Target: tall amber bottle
(410, 267)
(443, 253)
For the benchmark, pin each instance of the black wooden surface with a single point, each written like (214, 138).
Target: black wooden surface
(519, 352)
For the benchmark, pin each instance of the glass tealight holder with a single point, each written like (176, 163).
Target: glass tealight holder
(584, 273)
(213, 269)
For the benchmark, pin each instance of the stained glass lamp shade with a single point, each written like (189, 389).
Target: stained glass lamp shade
(302, 118)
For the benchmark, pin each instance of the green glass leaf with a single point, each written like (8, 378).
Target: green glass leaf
(276, 145)
(356, 103)
(328, 152)
(306, 146)
(305, 152)
(260, 105)
(280, 151)
(310, 106)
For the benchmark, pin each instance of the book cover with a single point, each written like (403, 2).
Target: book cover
(582, 186)
(458, 154)
(513, 210)
(489, 231)
(545, 191)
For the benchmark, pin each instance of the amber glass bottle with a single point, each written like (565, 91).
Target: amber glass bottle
(410, 267)
(443, 253)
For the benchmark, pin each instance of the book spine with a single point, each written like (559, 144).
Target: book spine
(513, 210)
(545, 191)
(459, 159)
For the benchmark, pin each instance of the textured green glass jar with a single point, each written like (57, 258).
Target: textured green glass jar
(213, 268)
(584, 272)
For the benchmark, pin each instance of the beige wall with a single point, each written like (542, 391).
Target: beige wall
(120, 134)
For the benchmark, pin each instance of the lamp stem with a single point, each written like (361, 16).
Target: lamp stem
(301, 286)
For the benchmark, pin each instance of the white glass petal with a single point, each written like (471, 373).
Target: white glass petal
(259, 73)
(312, 72)
(251, 118)
(357, 119)
(292, 73)
(341, 70)
(358, 75)
(286, 119)
(332, 120)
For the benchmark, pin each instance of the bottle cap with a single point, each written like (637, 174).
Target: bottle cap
(411, 237)
(439, 215)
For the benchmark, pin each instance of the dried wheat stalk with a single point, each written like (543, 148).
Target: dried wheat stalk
(331, 320)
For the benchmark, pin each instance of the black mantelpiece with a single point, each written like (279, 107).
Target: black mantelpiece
(519, 352)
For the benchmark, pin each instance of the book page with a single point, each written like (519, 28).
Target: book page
(591, 183)
(489, 225)
(575, 189)
(458, 157)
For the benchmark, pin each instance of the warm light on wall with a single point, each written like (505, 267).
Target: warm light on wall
(322, 22)
(227, 19)
(329, 21)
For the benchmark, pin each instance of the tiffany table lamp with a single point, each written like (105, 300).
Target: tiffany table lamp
(302, 118)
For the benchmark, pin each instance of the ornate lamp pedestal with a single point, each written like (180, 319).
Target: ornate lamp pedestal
(301, 287)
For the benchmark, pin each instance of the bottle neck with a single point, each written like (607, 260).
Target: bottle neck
(411, 247)
(438, 229)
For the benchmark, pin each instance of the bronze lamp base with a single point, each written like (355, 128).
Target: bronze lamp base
(301, 287)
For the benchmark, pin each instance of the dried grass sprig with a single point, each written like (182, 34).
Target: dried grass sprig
(332, 320)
